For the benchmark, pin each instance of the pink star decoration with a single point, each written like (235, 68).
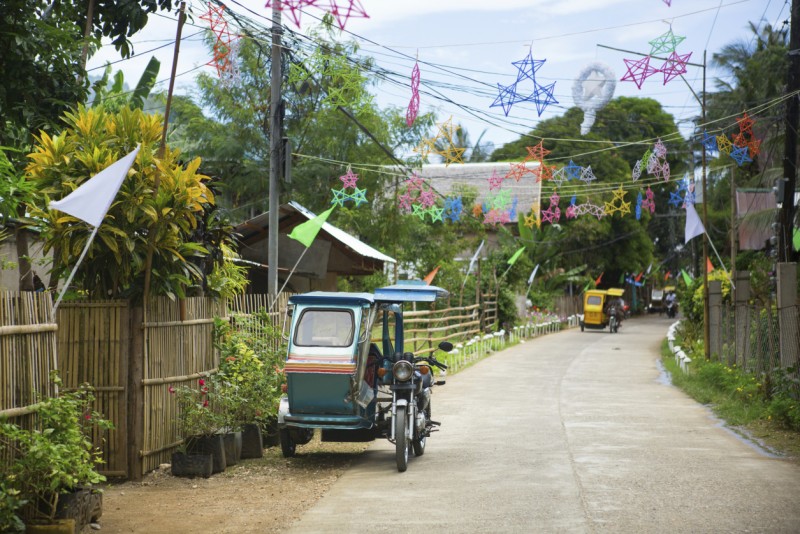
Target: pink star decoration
(674, 66)
(495, 181)
(349, 179)
(638, 71)
(348, 9)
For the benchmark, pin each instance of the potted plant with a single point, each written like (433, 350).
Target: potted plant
(54, 463)
(249, 377)
(198, 425)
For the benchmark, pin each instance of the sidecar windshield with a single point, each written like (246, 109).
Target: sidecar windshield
(325, 328)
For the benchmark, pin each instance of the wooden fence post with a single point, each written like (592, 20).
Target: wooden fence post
(714, 317)
(741, 316)
(135, 421)
(789, 330)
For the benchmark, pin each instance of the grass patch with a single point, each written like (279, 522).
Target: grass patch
(768, 412)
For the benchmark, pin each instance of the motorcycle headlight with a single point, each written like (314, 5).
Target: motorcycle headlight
(402, 371)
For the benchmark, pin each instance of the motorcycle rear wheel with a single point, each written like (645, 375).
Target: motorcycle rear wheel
(400, 442)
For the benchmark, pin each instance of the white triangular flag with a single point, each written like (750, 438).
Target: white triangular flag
(694, 226)
(474, 258)
(91, 201)
(533, 274)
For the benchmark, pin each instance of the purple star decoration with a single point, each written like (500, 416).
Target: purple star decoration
(638, 71)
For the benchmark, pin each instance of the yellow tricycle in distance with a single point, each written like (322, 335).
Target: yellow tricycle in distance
(594, 316)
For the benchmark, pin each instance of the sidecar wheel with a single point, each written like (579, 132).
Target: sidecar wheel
(400, 441)
(288, 446)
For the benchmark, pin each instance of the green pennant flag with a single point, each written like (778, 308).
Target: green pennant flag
(686, 278)
(796, 239)
(306, 232)
(513, 259)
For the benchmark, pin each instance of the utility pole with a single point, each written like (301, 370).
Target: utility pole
(706, 325)
(786, 218)
(275, 151)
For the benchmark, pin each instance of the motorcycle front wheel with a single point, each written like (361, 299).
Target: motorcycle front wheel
(400, 441)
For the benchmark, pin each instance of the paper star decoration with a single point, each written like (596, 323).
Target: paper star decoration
(724, 144)
(638, 71)
(518, 170)
(500, 200)
(506, 98)
(543, 172)
(636, 173)
(622, 207)
(340, 196)
(453, 208)
(532, 220)
(536, 152)
(662, 170)
(709, 143)
(745, 124)
(446, 134)
(427, 198)
(359, 196)
(552, 214)
(342, 13)
(541, 95)
(413, 105)
(436, 214)
(666, 43)
(495, 181)
(659, 149)
(573, 171)
(674, 66)
(675, 198)
(740, 156)
(420, 212)
(588, 208)
(559, 177)
(587, 175)
(404, 202)
(414, 183)
(349, 179)
(639, 206)
(649, 201)
(224, 39)
(646, 158)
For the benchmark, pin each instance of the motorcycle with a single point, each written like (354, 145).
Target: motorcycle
(411, 385)
(613, 325)
(672, 309)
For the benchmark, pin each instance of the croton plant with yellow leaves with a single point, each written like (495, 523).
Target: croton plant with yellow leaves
(93, 139)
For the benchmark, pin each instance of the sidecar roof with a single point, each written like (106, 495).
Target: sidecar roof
(410, 291)
(333, 298)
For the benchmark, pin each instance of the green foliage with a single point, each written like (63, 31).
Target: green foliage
(10, 502)
(196, 415)
(507, 313)
(116, 97)
(57, 456)
(169, 220)
(249, 379)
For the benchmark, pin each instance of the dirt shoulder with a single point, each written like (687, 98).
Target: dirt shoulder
(257, 495)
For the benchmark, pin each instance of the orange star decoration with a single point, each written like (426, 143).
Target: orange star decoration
(537, 152)
(745, 124)
(518, 170)
(224, 44)
(544, 172)
(623, 207)
(477, 210)
(724, 144)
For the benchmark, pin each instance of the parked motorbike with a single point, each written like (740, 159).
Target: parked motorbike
(411, 424)
(613, 325)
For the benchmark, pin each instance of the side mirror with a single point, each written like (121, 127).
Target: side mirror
(446, 346)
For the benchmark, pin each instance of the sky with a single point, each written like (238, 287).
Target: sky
(465, 48)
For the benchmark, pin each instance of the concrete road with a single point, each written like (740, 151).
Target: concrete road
(571, 432)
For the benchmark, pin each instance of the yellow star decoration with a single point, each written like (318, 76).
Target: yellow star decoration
(449, 151)
(533, 219)
(623, 207)
(724, 144)
(426, 147)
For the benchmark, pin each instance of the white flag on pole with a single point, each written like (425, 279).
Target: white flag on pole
(533, 274)
(91, 201)
(474, 258)
(694, 226)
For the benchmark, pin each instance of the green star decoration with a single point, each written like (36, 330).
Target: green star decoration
(419, 211)
(666, 43)
(359, 196)
(339, 197)
(436, 214)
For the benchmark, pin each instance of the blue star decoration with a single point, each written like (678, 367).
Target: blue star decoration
(506, 98)
(675, 198)
(542, 95)
(709, 143)
(527, 67)
(453, 208)
(512, 214)
(573, 171)
(639, 206)
(339, 197)
(740, 156)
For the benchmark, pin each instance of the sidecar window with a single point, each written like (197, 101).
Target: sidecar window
(594, 300)
(325, 328)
